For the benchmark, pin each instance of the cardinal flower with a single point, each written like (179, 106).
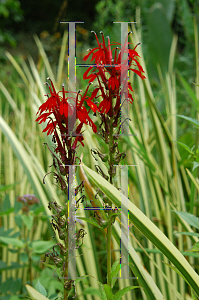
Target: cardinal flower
(61, 109)
(109, 73)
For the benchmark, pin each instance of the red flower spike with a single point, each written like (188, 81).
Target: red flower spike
(63, 113)
(109, 87)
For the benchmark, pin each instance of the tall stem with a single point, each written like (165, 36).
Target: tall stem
(66, 269)
(109, 229)
(30, 267)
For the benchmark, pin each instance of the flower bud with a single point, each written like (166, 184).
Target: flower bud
(59, 209)
(62, 234)
(103, 223)
(63, 250)
(104, 157)
(69, 284)
(118, 157)
(58, 261)
(61, 222)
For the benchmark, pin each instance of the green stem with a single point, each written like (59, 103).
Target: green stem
(28, 251)
(109, 232)
(109, 229)
(30, 267)
(66, 269)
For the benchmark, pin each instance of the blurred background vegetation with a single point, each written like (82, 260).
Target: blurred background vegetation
(159, 20)
(33, 46)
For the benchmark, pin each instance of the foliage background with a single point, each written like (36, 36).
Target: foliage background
(168, 32)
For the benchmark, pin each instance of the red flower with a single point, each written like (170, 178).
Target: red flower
(109, 73)
(59, 112)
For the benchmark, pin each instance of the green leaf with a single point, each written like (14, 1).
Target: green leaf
(82, 278)
(114, 272)
(7, 212)
(194, 121)
(193, 179)
(40, 288)
(177, 271)
(14, 298)
(24, 257)
(57, 270)
(185, 147)
(118, 295)
(194, 248)
(90, 221)
(108, 291)
(195, 165)
(193, 295)
(148, 228)
(6, 286)
(28, 221)
(113, 269)
(34, 294)
(102, 292)
(115, 264)
(91, 291)
(16, 286)
(112, 214)
(4, 188)
(41, 247)
(188, 88)
(189, 218)
(188, 233)
(12, 241)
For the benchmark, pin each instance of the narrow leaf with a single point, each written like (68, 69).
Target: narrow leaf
(188, 233)
(193, 179)
(40, 288)
(102, 292)
(90, 221)
(34, 294)
(12, 241)
(194, 248)
(122, 292)
(148, 228)
(108, 291)
(194, 121)
(189, 218)
(27, 220)
(40, 247)
(195, 165)
(185, 147)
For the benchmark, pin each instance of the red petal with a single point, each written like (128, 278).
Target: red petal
(87, 55)
(92, 105)
(42, 118)
(86, 73)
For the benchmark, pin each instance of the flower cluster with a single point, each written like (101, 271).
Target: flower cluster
(109, 73)
(27, 200)
(65, 113)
